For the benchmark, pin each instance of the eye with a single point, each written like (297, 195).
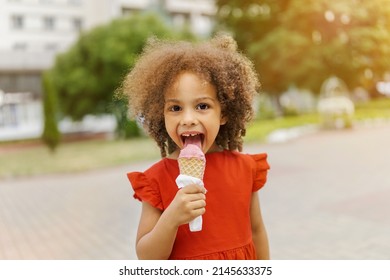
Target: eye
(175, 108)
(202, 106)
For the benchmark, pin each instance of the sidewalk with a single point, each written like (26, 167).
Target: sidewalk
(326, 198)
(71, 216)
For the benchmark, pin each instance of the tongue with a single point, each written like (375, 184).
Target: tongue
(193, 140)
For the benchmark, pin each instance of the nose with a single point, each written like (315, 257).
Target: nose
(189, 118)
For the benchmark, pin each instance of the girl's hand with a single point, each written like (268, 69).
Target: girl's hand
(157, 230)
(188, 204)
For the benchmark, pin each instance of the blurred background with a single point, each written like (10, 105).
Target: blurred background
(66, 141)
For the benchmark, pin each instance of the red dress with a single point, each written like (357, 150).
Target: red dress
(230, 178)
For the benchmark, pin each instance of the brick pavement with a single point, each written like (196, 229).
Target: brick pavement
(72, 216)
(326, 198)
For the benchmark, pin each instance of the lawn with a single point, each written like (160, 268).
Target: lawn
(93, 154)
(73, 157)
(260, 129)
(373, 110)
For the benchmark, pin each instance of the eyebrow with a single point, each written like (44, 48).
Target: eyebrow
(174, 100)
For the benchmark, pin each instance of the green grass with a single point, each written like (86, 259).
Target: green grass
(375, 109)
(74, 157)
(260, 129)
(93, 154)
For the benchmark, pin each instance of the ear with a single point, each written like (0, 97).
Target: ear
(223, 120)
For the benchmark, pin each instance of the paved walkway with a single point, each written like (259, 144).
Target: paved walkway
(327, 198)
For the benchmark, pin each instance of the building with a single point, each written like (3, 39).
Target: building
(198, 15)
(33, 32)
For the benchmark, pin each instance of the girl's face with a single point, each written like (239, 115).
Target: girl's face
(192, 108)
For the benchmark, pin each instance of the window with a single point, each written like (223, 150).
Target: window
(48, 23)
(20, 46)
(75, 2)
(17, 22)
(77, 24)
(51, 47)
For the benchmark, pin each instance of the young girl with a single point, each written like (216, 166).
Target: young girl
(202, 91)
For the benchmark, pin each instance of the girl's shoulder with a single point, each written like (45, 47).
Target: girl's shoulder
(147, 184)
(165, 167)
(260, 158)
(242, 165)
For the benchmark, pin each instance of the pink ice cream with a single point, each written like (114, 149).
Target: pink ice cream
(192, 149)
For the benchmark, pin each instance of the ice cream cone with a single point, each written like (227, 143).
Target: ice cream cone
(192, 163)
(192, 167)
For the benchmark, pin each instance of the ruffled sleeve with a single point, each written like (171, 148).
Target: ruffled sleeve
(145, 189)
(261, 167)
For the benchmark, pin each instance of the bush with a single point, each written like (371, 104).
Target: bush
(51, 134)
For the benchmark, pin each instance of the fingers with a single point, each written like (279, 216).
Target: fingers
(196, 208)
(197, 212)
(192, 197)
(195, 197)
(193, 193)
(189, 203)
(197, 204)
(193, 188)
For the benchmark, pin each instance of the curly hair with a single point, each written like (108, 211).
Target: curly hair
(217, 61)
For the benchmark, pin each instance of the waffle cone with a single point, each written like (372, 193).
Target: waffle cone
(192, 167)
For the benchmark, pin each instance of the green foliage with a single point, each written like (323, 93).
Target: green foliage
(126, 128)
(87, 76)
(51, 135)
(265, 109)
(302, 43)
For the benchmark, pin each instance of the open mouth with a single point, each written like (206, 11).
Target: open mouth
(193, 138)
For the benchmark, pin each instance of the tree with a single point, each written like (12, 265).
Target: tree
(51, 134)
(87, 76)
(302, 43)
